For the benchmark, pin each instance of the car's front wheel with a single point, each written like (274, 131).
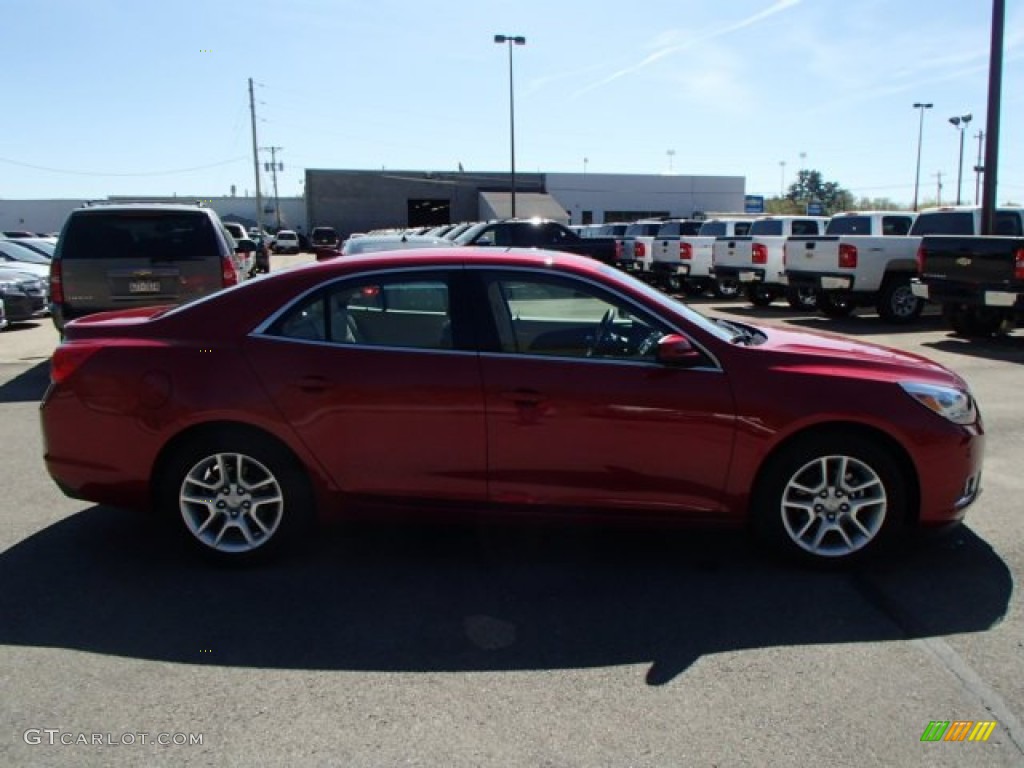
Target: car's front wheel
(236, 496)
(831, 499)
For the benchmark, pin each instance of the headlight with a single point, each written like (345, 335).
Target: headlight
(957, 405)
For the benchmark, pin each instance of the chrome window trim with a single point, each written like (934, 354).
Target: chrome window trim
(368, 347)
(261, 329)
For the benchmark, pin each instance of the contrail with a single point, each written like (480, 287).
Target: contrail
(778, 7)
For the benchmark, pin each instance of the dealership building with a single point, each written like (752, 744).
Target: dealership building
(358, 201)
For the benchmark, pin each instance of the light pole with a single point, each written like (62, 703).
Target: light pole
(511, 40)
(782, 182)
(960, 123)
(978, 169)
(920, 131)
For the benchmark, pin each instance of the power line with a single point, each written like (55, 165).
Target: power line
(70, 172)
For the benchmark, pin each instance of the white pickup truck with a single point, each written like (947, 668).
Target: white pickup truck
(756, 260)
(683, 261)
(661, 251)
(864, 270)
(864, 257)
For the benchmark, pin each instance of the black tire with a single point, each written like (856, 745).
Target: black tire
(269, 510)
(835, 305)
(839, 527)
(802, 299)
(691, 288)
(896, 303)
(760, 295)
(727, 288)
(975, 322)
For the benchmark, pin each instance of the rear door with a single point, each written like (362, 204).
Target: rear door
(121, 259)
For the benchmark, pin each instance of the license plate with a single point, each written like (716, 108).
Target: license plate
(144, 286)
(747, 277)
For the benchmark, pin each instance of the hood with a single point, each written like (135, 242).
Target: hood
(825, 353)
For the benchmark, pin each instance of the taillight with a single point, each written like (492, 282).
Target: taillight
(229, 273)
(1018, 264)
(919, 257)
(847, 256)
(685, 251)
(618, 249)
(759, 253)
(56, 283)
(638, 250)
(68, 358)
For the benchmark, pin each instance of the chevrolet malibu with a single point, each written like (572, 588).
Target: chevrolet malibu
(503, 383)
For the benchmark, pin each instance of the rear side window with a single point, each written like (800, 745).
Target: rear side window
(140, 235)
(849, 225)
(945, 223)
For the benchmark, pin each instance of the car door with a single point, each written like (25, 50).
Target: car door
(586, 418)
(379, 378)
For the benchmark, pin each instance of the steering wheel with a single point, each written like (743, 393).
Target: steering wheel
(602, 331)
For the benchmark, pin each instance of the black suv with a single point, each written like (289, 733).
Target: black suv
(126, 255)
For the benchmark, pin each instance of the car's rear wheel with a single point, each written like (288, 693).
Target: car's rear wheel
(831, 499)
(835, 305)
(897, 303)
(760, 295)
(237, 496)
(727, 289)
(802, 298)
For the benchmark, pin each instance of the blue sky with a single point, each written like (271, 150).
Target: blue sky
(146, 97)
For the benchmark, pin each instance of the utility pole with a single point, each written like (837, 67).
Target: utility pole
(255, 160)
(273, 166)
(978, 169)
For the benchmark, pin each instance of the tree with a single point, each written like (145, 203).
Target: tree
(810, 188)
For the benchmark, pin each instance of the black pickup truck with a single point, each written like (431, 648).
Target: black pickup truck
(979, 281)
(538, 233)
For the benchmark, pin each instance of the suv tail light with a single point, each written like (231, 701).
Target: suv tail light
(638, 250)
(68, 358)
(759, 253)
(56, 283)
(919, 258)
(230, 276)
(685, 251)
(847, 256)
(1018, 264)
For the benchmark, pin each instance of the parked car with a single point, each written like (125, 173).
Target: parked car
(44, 246)
(324, 237)
(375, 243)
(23, 294)
(500, 382)
(132, 255)
(17, 256)
(625, 246)
(286, 241)
(537, 233)
(246, 248)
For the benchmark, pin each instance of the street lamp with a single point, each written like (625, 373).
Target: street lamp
(920, 130)
(960, 123)
(511, 40)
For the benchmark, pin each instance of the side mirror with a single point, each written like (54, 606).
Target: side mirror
(676, 350)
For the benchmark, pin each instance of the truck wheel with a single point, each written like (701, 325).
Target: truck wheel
(972, 322)
(835, 305)
(896, 303)
(802, 298)
(760, 295)
(727, 289)
(831, 499)
(693, 289)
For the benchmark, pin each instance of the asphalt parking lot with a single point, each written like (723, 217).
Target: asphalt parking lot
(498, 646)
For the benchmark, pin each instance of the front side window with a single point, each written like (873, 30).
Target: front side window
(410, 312)
(562, 317)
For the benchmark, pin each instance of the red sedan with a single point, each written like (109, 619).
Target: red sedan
(470, 380)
